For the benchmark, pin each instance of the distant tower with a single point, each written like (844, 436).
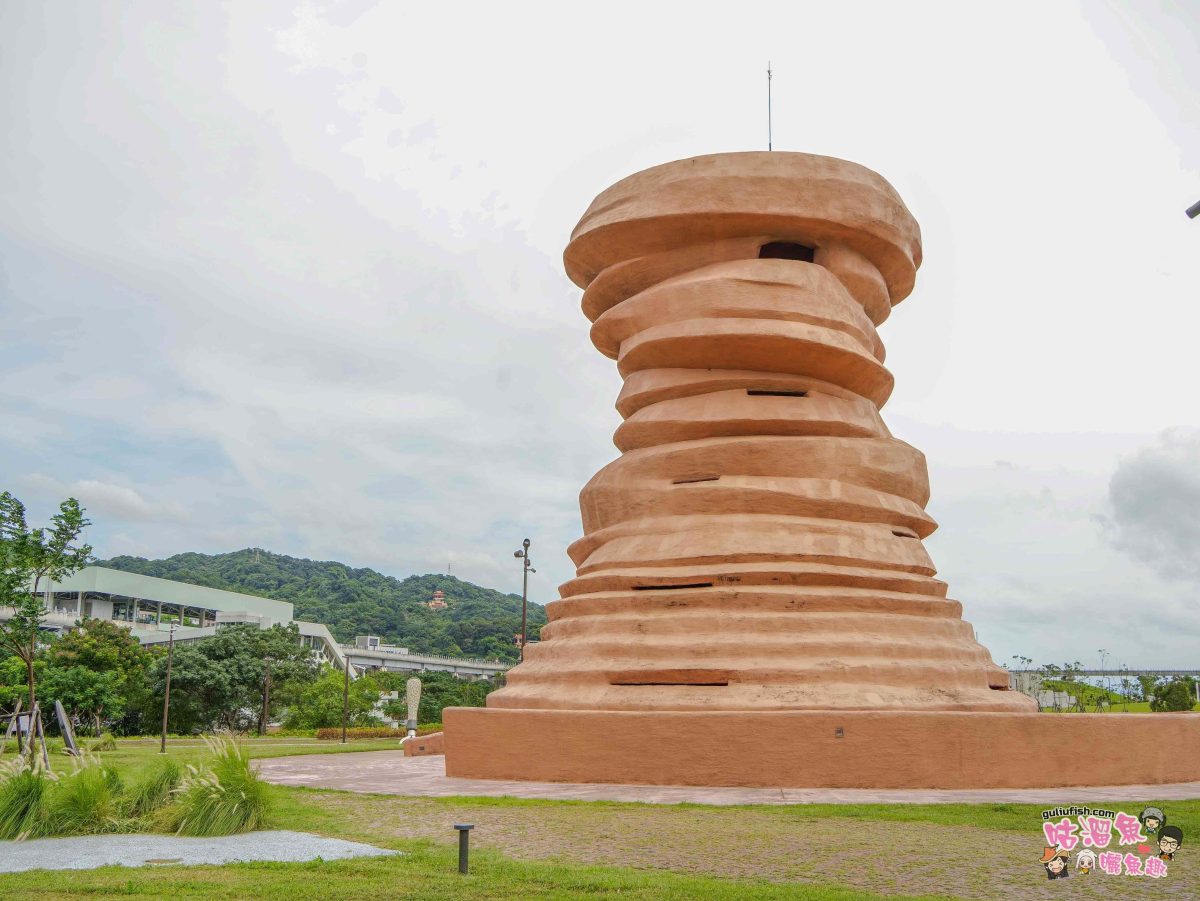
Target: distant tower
(439, 601)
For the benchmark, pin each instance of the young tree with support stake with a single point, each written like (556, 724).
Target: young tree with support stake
(27, 556)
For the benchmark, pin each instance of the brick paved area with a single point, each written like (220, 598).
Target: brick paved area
(390, 772)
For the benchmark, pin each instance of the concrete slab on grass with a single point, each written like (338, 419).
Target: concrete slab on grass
(86, 852)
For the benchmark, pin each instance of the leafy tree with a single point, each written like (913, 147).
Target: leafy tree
(1178, 694)
(27, 556)
(221, 681)
(104, 648)
(1148, 685)
(319, 704)
(285, 665)
(13, 684)
(96, 696)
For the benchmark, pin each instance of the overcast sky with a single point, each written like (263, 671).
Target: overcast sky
(289, 276)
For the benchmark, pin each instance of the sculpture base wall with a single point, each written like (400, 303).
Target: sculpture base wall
(803, 749)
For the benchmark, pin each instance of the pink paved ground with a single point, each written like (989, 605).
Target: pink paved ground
(391, 773)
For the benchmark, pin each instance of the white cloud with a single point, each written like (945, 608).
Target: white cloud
(101, 499)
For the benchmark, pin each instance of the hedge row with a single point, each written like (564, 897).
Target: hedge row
(376, 732)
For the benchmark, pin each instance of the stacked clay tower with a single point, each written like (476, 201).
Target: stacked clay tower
(753, 604)
(757, 546)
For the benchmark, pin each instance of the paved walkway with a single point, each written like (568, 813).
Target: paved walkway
(86, 852)
(391, 773)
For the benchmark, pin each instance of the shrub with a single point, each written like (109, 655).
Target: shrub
(227, 799)
(376, 732)
(104, 743)
(85, 802)
(1175, 696)
(154, 787)
(23, 790)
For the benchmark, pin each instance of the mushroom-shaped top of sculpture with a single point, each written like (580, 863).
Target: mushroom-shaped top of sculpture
(757, 545)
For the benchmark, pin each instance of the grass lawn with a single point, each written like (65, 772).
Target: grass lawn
(572, 849)
(425, 871)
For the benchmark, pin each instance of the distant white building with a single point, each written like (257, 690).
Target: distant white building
(149, 606)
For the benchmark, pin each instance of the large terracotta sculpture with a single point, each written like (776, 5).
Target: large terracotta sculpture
(751, 586)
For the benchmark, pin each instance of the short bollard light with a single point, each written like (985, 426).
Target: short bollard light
(464, 840)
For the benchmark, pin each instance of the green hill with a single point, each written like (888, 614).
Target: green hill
(478, 622)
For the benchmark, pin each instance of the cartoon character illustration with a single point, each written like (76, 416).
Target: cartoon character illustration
(1170, 839)
(1152, 819)
(1055, 861)
(1085, 861)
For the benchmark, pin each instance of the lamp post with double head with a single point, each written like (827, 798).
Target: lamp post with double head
(526, 569)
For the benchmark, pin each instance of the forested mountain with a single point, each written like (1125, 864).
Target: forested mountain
(478, 622)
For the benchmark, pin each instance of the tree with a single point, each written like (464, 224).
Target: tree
(102, 648)
(227, 680)
(285, 665)
(27, 556)
(86, 693)
(1176, 695)
(1148, 684)
(319, 704)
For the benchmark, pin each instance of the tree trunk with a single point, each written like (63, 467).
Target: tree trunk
(37, 580)
(29, 679)
(265, 716)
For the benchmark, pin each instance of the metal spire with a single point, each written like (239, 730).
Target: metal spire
(769, 105)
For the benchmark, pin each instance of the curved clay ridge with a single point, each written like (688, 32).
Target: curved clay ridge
(757, 546)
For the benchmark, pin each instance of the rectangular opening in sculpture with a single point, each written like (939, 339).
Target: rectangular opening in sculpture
(689, 481)
(756, 392)
(671, 587)
(786, 250)
(670, 677)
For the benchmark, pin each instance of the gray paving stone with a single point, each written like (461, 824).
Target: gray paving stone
(87, 852)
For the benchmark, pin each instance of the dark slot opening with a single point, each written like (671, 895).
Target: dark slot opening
(671, 587)
(696, 479)
(670, 677)
(786, 250)
(757, 392)
(1000, 688)
(902, 534)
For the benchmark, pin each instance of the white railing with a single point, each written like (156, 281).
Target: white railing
(355, 651)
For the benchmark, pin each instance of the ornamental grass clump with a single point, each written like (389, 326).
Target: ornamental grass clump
(23, 790)
(104, 742)
(154, 787)
(87, 801)
(226, 799)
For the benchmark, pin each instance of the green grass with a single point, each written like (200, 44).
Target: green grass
(22, 803)
(86, 801)
(425, 871)
(225, 799)
(154, 784)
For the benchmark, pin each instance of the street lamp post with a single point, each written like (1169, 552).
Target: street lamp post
(162, 749)
(345, 698)
(526, 569)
